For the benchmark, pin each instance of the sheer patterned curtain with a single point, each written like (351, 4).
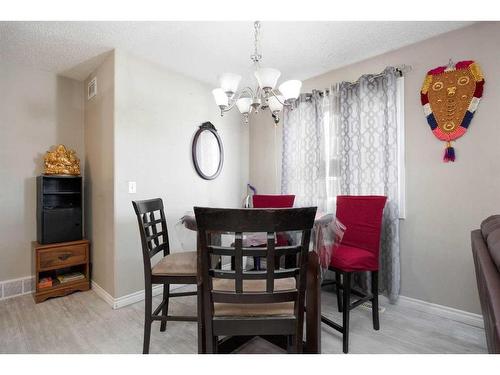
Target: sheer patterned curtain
(345, 142)
(310, 163)
(368, 131)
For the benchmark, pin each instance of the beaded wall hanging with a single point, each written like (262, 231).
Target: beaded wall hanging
(450, 96)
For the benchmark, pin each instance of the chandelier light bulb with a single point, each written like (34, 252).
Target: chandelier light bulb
(274, 103)
(291, 89)
(244, 105)
(220, 97)
(267, 78)
(229, 83)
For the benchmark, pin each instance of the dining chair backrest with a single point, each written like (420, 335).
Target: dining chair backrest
(239, 222)
(152, 228)
(362, 217)
(273, 201)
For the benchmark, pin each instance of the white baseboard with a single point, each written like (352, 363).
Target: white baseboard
(108, 298)
(136, 297)
(451, 313)
(128, 299)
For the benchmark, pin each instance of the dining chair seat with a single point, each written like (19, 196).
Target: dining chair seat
(261, 309)
(351, 259)
(176, 264)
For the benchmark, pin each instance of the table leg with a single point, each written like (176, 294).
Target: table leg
(313, 305)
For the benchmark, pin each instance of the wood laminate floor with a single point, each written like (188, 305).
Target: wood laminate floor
(84, 323)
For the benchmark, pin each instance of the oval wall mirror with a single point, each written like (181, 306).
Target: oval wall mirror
(207, 150)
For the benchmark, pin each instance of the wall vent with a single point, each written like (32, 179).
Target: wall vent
(92, 88)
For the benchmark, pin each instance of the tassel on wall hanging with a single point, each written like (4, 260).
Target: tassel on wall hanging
(450, 96)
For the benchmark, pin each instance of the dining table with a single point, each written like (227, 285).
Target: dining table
(324, 238)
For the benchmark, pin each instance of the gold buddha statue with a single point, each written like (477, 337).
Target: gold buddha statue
(61, 161)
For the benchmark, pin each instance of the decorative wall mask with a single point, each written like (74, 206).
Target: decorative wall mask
(61, 161)
(450, 96)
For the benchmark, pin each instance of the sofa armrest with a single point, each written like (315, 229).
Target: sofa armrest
(488, 284)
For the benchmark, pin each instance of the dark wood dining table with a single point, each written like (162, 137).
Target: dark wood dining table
(312, 343)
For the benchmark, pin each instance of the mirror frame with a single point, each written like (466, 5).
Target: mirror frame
(207, 126)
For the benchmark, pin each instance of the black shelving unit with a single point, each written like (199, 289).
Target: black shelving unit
(59, 209)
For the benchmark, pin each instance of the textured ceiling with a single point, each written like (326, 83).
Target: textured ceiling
(205, 49)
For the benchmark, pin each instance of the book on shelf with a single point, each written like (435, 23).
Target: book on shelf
(45, 282)
(72, 276)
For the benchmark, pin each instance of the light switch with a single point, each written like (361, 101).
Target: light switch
(132, 187)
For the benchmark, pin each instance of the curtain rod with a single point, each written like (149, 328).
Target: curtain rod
(401, 69)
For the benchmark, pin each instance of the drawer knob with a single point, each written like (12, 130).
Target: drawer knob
(64, 256)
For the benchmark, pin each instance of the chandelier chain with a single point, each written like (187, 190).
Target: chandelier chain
(256, 55)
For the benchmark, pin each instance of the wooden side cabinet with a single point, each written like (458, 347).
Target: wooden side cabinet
(62, 263)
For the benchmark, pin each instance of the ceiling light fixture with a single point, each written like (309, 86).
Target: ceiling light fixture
(264, 96)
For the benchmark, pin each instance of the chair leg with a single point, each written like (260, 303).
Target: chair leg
(277, 262)
(376, 323)
(256, 263)
(292, 346)
(201, 321)
(216, 344)
(338, 285)
(209, 343)
(346, 311)
(210, 338)
(147, 318)
(290, 261)
(164, 311)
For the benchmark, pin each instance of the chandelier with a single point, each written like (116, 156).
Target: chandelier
(264, 96)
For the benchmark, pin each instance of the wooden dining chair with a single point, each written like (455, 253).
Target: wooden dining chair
(172, 268)
(244, 302)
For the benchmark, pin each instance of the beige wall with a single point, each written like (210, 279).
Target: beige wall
(139, 128)
(38, 110)
(444, 201)
(265, 153)
(157, 114)
(99, 174)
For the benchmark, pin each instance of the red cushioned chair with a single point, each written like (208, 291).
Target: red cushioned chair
(358, 252)
(273, 201)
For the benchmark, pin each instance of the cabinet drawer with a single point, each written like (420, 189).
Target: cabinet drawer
(62, 256)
